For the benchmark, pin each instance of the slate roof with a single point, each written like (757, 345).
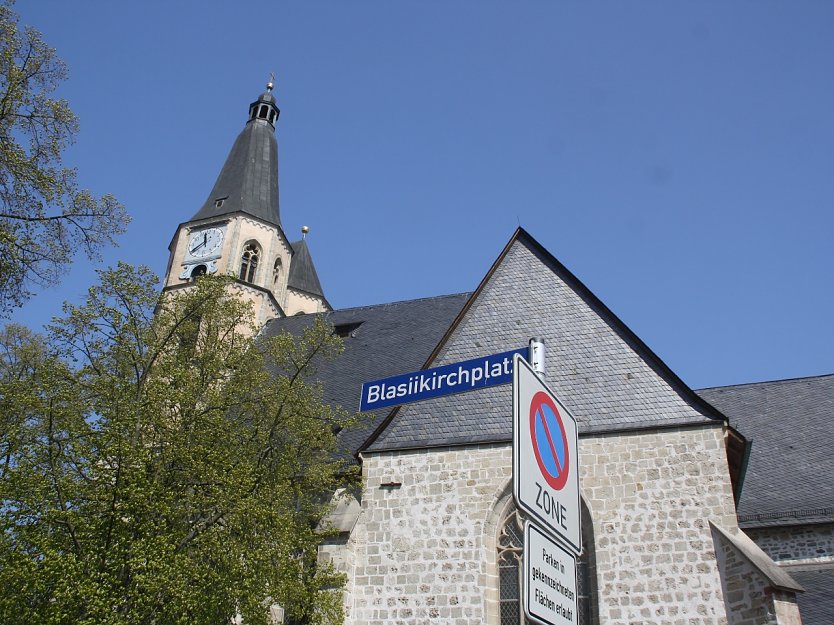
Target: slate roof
(612, 379)
(783, 419)
(303, 276)
(248, 182)
(608, 377)
(789, 424)
(391, 338)
(816, 604)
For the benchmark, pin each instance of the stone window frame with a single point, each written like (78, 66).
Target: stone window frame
(279, 279)
(504, 511)
(277, 274)
(249, 261)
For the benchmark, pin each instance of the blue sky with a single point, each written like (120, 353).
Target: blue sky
(678, 157)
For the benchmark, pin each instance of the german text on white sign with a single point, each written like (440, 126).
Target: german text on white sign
(550, 592)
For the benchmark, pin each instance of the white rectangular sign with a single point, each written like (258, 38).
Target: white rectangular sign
(549, 579)
(545, 457)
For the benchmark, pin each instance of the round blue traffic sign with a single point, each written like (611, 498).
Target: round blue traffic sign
(550, 443)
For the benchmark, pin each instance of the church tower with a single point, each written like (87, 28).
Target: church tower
(238, 229)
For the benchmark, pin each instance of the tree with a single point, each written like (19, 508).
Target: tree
(160, 466)
(44, 216)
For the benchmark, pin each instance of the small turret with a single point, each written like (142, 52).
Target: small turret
(265, 106)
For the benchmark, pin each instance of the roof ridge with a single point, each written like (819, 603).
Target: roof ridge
(787, 514)
(402, 301)
(762, 382)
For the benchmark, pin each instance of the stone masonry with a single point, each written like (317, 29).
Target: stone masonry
(651, 496)
(808, 544)
(424, 547)
(746, 603)
(654, 474)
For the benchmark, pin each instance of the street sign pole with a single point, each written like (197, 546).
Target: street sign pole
(545, 457)
(546, 488)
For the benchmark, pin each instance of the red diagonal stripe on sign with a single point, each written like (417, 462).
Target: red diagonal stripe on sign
(540, 412)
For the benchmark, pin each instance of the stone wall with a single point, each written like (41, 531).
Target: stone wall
(807, 544)
(300, 302)
(749, 596)
(785, 608)
(651, 497)
(335, 553)
(746, 602)
(756, 589)
(423, 549)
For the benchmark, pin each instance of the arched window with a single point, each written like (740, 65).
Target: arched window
(510, 548)
(510, 554)
(277, 274)
(199, 270)
(249, 262)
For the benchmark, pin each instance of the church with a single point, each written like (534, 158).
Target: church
(698, 507)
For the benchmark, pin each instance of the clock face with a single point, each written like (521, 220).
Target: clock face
(205, 242)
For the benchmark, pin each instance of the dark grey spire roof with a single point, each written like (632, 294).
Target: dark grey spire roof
(303, 276)
(248, 182)
(788, 423)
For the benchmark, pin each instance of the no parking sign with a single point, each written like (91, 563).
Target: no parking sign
(545, 457)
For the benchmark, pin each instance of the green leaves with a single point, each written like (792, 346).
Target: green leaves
(44, 217)
(161, 466)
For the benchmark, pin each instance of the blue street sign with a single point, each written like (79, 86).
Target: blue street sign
(446, 380)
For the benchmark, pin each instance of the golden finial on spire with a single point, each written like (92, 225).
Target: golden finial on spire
(271, 83)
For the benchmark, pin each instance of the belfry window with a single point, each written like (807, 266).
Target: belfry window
(510, 562)
(249, 262)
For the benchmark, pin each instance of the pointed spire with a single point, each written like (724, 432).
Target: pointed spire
(248, 181)
(303, 275)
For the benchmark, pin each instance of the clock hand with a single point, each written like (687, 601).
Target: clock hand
(194, 249)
